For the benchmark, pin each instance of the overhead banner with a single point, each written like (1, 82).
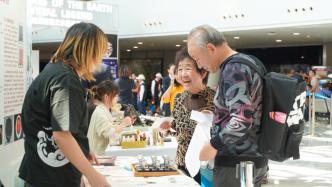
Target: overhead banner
(65, 13)
(51, 18)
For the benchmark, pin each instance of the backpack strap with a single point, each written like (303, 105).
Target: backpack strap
(248, 60)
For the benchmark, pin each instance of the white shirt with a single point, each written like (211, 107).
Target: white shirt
(153, 85)
(102, 129)
(141, 91)
(315, 84)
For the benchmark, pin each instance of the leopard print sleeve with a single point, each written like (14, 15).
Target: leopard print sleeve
(176, 111)
(209, 97)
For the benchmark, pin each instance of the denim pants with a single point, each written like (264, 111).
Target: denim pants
(141, 107)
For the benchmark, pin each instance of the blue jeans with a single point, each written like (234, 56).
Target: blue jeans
(141, 107)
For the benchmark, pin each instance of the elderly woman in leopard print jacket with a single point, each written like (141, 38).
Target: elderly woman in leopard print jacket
(197, 96)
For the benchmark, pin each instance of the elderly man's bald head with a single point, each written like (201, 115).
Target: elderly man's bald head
(204, 34)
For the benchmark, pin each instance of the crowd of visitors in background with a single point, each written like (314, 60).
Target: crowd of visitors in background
(134, 90)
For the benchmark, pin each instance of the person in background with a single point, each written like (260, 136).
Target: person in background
(126, 86)
(197, 96)
(292, 73)
(305, 76)
(135, 90)
(314, 83)
(238, 108)
(141, 94)
(109, 50)
(312, 87)
(100, 74)
(174, 89)
(104, 128)
(156, 91)
(167, 79)
(165, 84)
(55, 117)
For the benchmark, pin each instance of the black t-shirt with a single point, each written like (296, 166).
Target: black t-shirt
(54, 102)
(125, 85)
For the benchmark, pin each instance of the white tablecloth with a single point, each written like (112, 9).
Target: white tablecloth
(121, 175)
(169, 148)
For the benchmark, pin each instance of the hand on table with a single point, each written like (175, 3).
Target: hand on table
(165, 125)
(93, 159)
(98, 180)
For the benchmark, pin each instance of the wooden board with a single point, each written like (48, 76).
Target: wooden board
(153, 173)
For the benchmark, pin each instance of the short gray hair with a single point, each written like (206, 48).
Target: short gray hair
(205, 34)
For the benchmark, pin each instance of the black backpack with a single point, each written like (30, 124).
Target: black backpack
(278, 141)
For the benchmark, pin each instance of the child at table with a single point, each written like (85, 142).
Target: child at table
(105, 126)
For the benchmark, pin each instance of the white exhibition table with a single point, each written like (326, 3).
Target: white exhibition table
(169, 148)
(121, 175)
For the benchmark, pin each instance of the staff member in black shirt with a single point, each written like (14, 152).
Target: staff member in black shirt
(54, 114)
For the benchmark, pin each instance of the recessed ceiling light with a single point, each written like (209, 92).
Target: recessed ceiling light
(271, 33)
(185, 41)
(308, 36)
(236, 37)
(278, 41)
(177, 45)
(140, 43)
(135, 47)
(128, 50)
(296, 33)
(302, 57)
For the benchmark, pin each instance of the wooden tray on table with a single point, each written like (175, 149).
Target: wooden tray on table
(150, 173)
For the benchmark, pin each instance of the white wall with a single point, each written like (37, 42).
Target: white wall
(169, 17)
(178, 17)
(14, 59)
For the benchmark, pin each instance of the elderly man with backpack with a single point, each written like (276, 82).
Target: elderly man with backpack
(253, 120)
(237, 112)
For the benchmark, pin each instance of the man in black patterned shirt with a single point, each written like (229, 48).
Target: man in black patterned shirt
(238, 108)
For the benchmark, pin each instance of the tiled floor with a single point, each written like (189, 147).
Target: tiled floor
(314, 169)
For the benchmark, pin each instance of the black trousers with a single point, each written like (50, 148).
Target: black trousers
(197, 177)
(226, 176)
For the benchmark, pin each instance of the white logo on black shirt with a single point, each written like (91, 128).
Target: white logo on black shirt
(296, 114)
(49, 152)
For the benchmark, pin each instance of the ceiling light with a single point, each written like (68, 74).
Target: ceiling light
(185, 41)
(308, 36)
(296, 33)
(177, 45)
(302, 57)
(128, 50)
(135, 47)
(278, 41)
(140, 43)
(236, 37)
(271, 33)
